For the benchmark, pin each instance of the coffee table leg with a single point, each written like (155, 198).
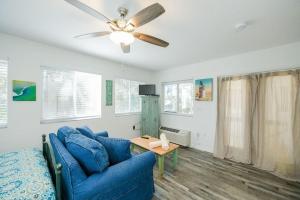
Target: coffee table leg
(161, 163)
(132, 147)
(175, 158)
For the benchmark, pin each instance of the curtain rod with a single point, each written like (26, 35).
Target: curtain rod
(261, 72)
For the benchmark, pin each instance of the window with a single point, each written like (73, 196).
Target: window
(127, 99)
(70, 95)
(3, 93)
(178, 97)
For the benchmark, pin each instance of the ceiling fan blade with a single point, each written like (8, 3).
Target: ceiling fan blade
(91, 35)
(125, 48)
(88, 9)
(147, 14)
(150, 39)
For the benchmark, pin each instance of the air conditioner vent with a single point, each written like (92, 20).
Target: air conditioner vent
(169, 129)
(177, 136)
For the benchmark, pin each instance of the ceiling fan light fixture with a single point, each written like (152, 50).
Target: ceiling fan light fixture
(119, 37)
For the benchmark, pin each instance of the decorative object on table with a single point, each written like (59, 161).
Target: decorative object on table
(155, 144)
(204, 89)
(109, 94)
(24, 91)
(163, 143)
(150, 122)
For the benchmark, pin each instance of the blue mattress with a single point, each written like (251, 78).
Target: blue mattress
(24, 175)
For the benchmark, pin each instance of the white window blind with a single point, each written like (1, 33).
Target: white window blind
(178, 97)
(185, 98)
(170, 98)
(127, 99)
(3, 93)
(70, 95)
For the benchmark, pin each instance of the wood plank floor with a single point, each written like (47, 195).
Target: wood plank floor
(200, 176)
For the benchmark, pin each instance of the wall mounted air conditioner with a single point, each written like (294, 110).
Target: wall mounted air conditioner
(181, 137)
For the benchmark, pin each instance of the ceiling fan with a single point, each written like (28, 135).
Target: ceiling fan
(123, 29)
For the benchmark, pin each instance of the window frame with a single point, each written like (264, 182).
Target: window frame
(126, 113)
(67, 119)
(191, 81)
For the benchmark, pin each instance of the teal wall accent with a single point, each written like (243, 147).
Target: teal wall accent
(109, 93)
(150, 122)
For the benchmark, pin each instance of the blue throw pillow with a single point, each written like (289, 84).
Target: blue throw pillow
(118, 149)
(101, 133)
(90, 154)
(86, 131)
(64, 132)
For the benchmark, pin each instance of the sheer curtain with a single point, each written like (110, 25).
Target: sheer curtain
(276, 127)
(234, 111)
(258, 121)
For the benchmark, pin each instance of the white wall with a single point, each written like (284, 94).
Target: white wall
(203, 122)
(25, 58)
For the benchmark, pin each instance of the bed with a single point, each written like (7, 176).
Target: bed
(29, 174)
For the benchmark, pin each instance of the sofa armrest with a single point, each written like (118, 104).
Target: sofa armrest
(121, 175)
(101, 133)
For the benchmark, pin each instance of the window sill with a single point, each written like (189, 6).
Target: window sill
(126, 114)
(177, 114)
(3, 126)
(50, 121)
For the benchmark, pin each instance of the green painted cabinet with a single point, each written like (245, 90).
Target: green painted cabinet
(150, 121)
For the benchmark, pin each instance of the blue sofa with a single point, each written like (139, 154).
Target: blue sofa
(131, 179)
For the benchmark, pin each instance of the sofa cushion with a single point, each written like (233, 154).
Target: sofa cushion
(90, 154)
(101, 133)
(64, 132)
(118, 149)
(86, 131)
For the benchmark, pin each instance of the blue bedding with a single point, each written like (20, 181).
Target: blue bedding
(24, 175)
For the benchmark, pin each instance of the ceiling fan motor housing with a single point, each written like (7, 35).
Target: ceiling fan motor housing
(123, 11)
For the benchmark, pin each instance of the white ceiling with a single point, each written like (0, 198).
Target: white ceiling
(197, 30)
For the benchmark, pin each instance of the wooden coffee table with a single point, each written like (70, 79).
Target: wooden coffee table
(159, 152)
